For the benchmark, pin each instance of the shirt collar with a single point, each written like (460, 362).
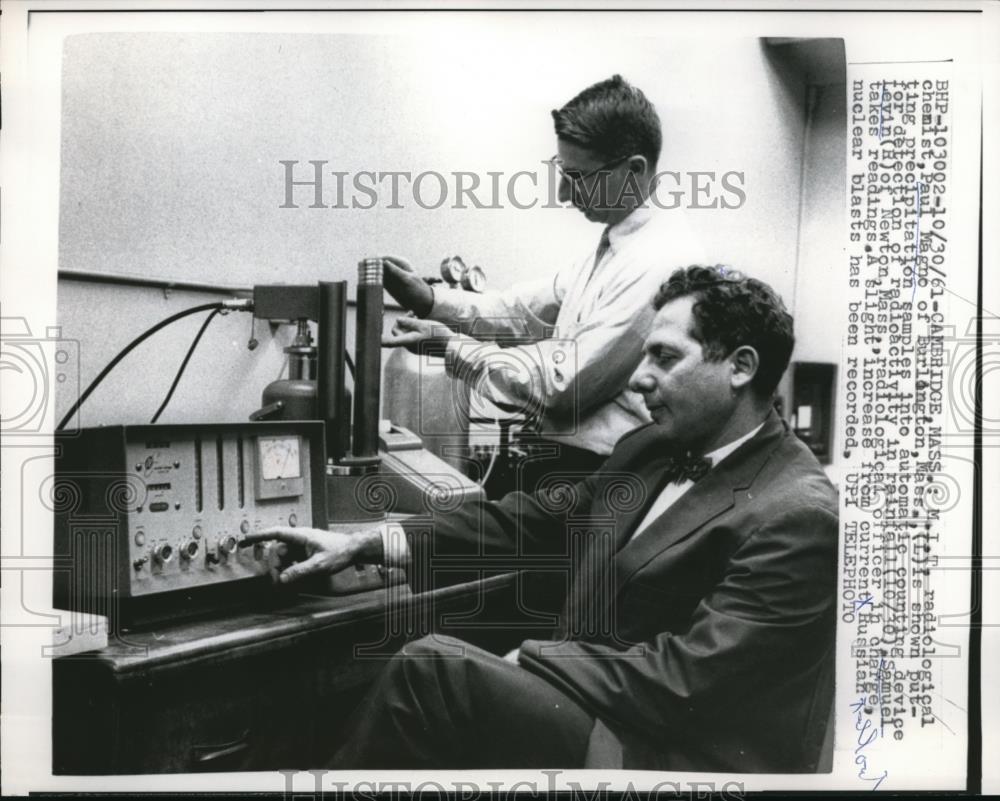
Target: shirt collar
(638, 218)
(719, 454)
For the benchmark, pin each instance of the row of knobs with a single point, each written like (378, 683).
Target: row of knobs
(188, 550)
(164, 552)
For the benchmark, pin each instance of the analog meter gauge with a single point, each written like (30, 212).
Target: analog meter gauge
(279, 458)
(279, 467)
(474, 279)
(452, 269)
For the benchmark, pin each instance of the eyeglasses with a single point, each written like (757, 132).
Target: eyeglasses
(575, 176)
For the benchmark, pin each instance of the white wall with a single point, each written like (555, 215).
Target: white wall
(222, 382)
(169, 169)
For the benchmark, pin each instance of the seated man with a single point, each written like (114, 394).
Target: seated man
(699, 628)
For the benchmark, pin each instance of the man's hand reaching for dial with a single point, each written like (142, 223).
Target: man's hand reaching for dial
(427, 337)
(326, 551)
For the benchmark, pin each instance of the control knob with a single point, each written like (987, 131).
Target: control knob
(189, 550)
(163, 553)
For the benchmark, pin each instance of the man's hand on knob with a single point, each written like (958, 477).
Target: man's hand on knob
(326, 551)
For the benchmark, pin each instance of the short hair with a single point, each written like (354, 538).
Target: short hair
(612, 118)
(732, 310)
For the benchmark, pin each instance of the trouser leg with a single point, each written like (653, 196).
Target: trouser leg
(443, 703)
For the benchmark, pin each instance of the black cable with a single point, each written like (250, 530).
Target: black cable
(128, 349)
(350, 363)
(184, 364)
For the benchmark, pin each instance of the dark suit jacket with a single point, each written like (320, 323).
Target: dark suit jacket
(706, 643)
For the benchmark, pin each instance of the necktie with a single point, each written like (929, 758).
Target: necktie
(687, 468)
(602, 247)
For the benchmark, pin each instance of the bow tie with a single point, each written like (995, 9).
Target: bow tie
(686, 468)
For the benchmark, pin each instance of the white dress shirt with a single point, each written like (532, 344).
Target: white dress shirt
(670, 493)
(586, 327)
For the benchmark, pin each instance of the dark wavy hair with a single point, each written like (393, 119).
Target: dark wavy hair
(732, 310)
(612, 118)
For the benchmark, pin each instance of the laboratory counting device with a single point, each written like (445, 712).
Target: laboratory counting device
(149, 518)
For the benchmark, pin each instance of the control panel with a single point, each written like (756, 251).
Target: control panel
(158, 510)
(202, 493)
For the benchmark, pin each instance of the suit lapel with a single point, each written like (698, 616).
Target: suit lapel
(590, 594)
(653, 482)
(592, 588)
(707, 499)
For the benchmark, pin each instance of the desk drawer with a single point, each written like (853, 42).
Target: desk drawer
(223, 715)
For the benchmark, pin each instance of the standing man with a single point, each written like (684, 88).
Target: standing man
(698, 632)
(578, 333)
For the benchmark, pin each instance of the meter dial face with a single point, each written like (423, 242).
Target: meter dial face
(452, 269)
(474, 280)
(279, 457)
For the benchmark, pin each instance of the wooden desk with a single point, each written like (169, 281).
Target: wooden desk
(257, 690)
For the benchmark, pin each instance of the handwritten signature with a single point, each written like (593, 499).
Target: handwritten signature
(862, 602)
(867, 734)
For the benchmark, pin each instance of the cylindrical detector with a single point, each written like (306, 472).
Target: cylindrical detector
(302, 354)
(332, 343)
(368, 359)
